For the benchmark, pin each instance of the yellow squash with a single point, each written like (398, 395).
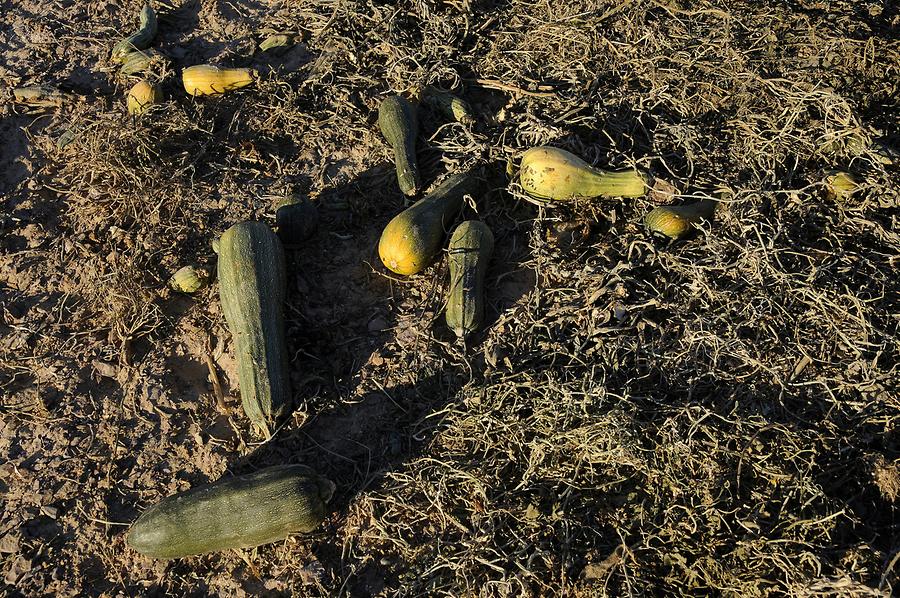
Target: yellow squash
(677, 222)
(550, 173)
(205, 79)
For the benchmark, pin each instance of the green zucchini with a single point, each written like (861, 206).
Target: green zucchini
(237, 512)
(411, 240)
(399, 123)
(469, 252)
(141, 39)
(252, 289)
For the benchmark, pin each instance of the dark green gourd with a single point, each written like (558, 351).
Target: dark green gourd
(252, 289)
(399, 123)
(297, 219)
(236, 512)
(469, 253)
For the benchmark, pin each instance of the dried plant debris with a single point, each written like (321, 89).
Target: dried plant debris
(713, 416)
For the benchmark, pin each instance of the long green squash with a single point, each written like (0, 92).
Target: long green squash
(470, 250)
(238, 512)
(252, 289)
(399, 123)
(411, 240)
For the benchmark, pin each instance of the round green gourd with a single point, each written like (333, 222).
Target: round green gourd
(469, 252)
(297, 219)
(238, 512)
(252, 288)
(399, 123)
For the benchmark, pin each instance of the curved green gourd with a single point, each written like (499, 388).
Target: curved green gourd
(398, 122)
(141, 39)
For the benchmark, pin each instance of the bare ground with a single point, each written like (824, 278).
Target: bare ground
(717, 416)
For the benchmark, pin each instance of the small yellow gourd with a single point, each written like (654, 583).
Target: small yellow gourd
(677, 222)
(143, 95)
(840, 184)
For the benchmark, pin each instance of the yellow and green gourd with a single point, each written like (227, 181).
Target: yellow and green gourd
(411, 240)
(678, 222)
(449, 105)
(206, 79)
(550, 173)
(142, 96)
(840, 184)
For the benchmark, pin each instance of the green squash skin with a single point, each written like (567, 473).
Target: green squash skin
(252, 290)
(422, 226)
(140, 40)
(238, 512)
(470, 251)
(399, 123)
(138, 62)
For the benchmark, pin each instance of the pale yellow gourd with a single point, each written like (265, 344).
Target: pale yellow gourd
(550, 173)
